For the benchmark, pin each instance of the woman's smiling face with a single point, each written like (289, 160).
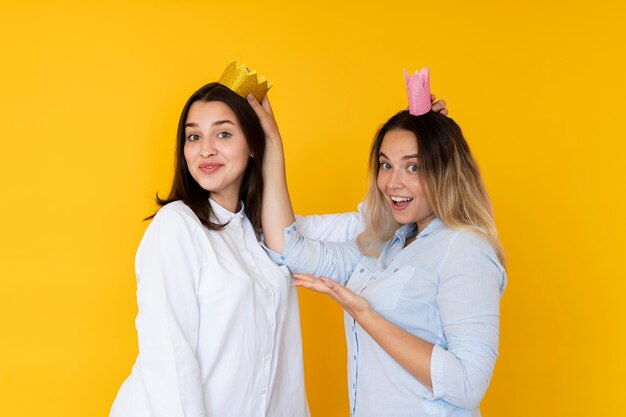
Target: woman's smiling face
(399, 179)
(216, 151)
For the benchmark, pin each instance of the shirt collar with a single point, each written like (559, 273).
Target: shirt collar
(224, 216)
(434, 226)
(408, 230)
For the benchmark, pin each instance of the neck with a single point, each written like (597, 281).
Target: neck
(423, 223)
(231, 204)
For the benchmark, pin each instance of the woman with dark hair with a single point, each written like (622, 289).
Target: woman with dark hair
(218, 323)
(421, 285)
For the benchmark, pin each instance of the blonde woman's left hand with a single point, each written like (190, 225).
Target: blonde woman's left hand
(439, 106)
(352, 303)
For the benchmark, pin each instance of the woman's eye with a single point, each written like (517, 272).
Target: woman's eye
(412, 169)
(224, 135)
(384, 165)
(193, 137)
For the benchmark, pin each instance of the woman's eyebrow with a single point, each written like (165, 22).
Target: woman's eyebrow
(412, 156)
(221, 122)
(216, 123)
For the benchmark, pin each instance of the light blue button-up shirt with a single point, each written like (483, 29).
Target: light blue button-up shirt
(444, 287)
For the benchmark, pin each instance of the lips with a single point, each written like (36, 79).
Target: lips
(210, 168)
(400, 203)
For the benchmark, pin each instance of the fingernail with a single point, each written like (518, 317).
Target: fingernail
(250, 97)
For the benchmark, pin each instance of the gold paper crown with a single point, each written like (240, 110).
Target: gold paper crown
(244, 81)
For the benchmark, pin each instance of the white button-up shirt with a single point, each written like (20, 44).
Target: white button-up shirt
(218, 324)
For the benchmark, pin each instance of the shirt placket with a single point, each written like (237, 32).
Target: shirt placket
(355, 344)
(270, 339)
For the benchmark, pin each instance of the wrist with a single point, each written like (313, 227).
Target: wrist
(365, 315)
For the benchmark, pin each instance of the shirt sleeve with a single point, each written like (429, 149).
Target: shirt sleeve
(340, 227)
(168, 265)
(335, 260)
(471, 285)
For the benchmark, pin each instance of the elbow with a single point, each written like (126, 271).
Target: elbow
(473, 393)
(462, 383)
(468, 403)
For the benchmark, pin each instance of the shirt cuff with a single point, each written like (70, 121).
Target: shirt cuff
(291, 235)
(437, 378)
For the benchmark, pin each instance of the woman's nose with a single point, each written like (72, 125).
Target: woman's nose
(395, 179)
(207, 148)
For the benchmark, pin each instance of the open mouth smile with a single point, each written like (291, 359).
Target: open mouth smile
(400, 203)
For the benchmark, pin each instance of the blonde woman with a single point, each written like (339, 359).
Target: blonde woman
(421, 285)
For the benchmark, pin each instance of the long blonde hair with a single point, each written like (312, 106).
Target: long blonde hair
(450, 178)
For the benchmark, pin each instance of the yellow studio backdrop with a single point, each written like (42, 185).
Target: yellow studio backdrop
(90, 97)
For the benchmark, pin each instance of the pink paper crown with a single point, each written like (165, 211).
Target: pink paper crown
(418, 90)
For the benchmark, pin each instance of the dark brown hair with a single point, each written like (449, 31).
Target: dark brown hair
(186, 189)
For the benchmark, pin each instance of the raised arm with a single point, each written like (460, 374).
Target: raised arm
(336, 260)
(277, 212)
(340, 227)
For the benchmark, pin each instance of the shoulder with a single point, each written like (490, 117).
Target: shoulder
(174, 230)
(176, 213)
(173, 220)
(464, 240)
(470, 252)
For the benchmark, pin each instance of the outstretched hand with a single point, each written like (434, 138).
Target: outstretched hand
(352, 303)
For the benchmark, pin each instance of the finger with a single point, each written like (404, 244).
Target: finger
(316, 286)
(266, 118)
(329, 282)
(265, 103)
(305, 277)
(432, 97)
(342, 293)
(444, 112)
(439, 105)
(256, 106)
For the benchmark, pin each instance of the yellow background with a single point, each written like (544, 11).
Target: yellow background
(90, 96)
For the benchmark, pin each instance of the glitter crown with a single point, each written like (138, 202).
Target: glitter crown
(244, 81)
(418, 90)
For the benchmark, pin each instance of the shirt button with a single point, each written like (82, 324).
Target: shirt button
(395, 270)
(263, 392)
(361, 270)
(272, 324)
(354, 357)
(282, 258)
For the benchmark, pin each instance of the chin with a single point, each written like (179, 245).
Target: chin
(401, 219)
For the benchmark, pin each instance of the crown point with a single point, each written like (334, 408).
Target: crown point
(243, 81)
